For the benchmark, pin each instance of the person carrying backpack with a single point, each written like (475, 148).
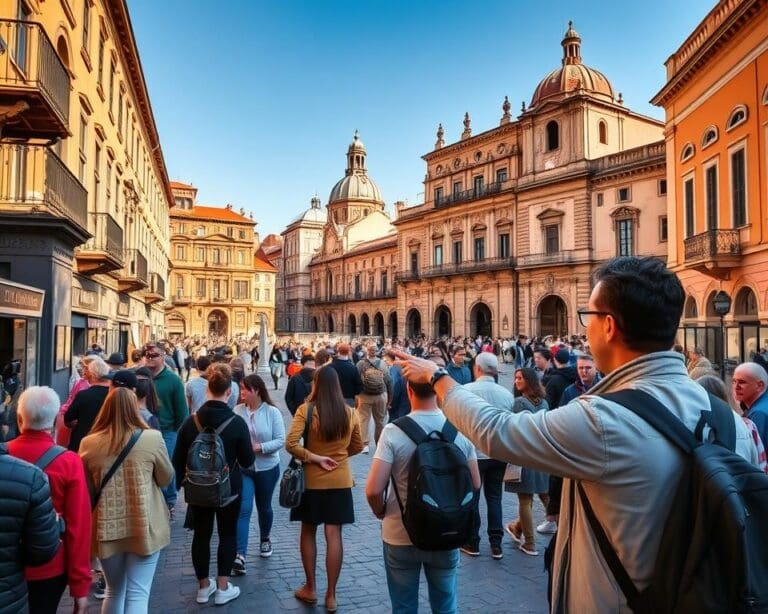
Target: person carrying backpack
(425, 518)
(212, 446)
(375, 396)
(633, 477)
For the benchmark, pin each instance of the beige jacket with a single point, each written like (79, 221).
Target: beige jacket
(131, 515)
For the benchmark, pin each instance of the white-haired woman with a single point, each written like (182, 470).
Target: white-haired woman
(78, 384)
(82, 413)
(37, 411)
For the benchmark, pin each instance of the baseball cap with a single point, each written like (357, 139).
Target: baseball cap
(125, 378)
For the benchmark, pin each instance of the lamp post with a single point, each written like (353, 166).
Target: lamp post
(722, 305)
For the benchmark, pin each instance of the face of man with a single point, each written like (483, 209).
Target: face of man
(541, 362)
(596, 333)
(746, 388)
(458, 358)
(586, 369)
(154, 359)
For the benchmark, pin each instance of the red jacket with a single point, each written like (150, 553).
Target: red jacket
(72, 501)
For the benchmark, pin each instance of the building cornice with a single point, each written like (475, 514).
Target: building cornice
(472, 142)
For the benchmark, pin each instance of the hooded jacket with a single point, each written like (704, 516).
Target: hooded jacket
(298, 389)
(559, 379)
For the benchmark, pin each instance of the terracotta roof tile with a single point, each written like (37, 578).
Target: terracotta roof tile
(212, 213)
(177, 185)
(260, 262)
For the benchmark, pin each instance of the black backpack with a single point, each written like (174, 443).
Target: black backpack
(713, 555)
(206, 483)
(440, 502)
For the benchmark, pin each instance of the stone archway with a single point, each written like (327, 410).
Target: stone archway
(392, 325)
(331, 327)
(352, 324)
(553, 316)
(413, 323)
(378, 324)
(443, 322)
(365, 325)
(313, 325)
(218, 323)
(481, 320)
(175, 324)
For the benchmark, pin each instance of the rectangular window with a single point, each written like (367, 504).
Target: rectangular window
(599, 199)
(230, 232)
(267, 294)
(240, 257)
(438, 195)
(710, 182)
(20, 51)
(179, 284)
(200, 254)
(182, 228)
(96, 177)
(501, 175)
(662, 187)
(690, 226)
(227, 256)
(414, 262)
(111, 85)
(623, 195)
(82, 147)
(663, 228)
(86, 23)
(200, 287)
(625, 231)
(479, 249)
(438, 260)
(456, 187)
(457, 255)
(216, 256)
(738, 188)
(477, 185)
(552, 239)
(120, 111)
(357, 284)
(216, 288)
(256, 294)
(384, 282)
(108, 183)
(241, 234)
(100, 65)
(180, 255)
(504, 245)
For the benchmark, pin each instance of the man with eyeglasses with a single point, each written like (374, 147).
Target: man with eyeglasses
(173, 406)
(630, 473)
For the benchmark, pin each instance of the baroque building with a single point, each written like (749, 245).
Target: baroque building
(84, 192)
(221, 281)
(716, 104)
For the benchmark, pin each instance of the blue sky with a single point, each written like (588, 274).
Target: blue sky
(256, 102)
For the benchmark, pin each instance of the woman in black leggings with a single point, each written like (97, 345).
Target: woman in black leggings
(239, 453)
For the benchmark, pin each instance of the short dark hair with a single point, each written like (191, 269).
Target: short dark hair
(306, 358)
(422, 391)
(203, 362)
(254, 382)
(545, 353)
(644, 297)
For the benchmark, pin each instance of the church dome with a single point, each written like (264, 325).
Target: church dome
(315, 213)
(573, 77)
(356, 185)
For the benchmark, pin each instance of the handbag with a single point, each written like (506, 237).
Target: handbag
(292, 483)
(513, 473)
(96, 495)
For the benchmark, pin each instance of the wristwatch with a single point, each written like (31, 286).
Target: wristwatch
(437, 375)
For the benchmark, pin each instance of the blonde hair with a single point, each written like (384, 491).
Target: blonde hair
(118, 418)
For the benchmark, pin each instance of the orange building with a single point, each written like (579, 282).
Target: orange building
(716, 103)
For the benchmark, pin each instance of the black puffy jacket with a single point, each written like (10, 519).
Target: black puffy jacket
(29, 533)
(559, 379)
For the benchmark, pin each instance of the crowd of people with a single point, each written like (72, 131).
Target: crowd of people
(93, 482)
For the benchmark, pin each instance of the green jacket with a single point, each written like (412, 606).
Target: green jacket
(173, 400)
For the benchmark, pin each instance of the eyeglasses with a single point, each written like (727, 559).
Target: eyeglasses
(583, 320)
(151, 355)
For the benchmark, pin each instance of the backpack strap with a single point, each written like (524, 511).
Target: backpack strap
(449, 432)
(411, 428)
(720, 420)
(115, 466)
(223, 425)
(50, 455)
(198, 425)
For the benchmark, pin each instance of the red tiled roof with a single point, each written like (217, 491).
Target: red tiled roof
(212, 213)
(177, 185)
(260, 262)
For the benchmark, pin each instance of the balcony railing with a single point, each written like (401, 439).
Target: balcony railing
(156, 289)
(560, 257)
(33, 77)
(134, 274)
(411, 275)
(181, 299)
(472, 266)
(33, 180)
(352, 296)
(464, 196)
(714, 248)
(104, 251)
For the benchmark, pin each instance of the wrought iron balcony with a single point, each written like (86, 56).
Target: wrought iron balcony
(472, 266)
(133, 276)
(353, 296)
(319, 300)
(181, 299)
(156, 290)
(713, 250)
(404, 276)
(554, 258)
(34, 183)
(34, 83)
(104, 251)
(464, 196)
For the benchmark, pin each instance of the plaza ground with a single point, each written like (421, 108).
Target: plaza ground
(515, 584)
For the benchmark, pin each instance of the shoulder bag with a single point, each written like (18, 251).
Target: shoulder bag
(292, 482)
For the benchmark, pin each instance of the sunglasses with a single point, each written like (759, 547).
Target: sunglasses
(151, 355)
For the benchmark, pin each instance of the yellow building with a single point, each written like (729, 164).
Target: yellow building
(220, 283)
(84, 193)
(716, 104)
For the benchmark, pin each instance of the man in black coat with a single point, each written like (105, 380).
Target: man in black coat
(559, 378)
(29, 532)
(300, 384)
(349, 376)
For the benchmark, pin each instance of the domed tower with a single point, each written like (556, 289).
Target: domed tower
(356, 195)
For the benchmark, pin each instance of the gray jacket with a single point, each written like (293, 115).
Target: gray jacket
(629, 471)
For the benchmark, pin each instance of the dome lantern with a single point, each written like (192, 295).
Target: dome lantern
(571, 46)
(356, 156)
(356, 186)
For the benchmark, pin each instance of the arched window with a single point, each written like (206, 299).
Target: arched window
(687, 153)
(691, 311)
(553, 136)
(710, 136)
(765, 95)
(738, 116)
(602, 129)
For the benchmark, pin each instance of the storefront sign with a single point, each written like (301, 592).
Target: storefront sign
(18, 300)
(83, 298)
(96, 323)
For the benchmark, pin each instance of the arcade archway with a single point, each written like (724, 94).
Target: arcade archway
(413, 323)
(481, 320)
(218, 323)
(378, 324)
(443, 322)
(553, 317)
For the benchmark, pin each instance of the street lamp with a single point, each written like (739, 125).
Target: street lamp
(722, 305)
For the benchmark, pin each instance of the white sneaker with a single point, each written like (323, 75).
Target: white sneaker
(204, 594)
(547, 527)
(366, 450)
(225, 596)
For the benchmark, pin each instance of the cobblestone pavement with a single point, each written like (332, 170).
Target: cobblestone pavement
(517, 583)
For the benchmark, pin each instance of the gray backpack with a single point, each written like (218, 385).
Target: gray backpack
(207, 483)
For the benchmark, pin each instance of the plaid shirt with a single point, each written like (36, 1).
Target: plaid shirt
(761, 457)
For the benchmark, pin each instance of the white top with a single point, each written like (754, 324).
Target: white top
(266, 426)
(396, 448)
(486, 388)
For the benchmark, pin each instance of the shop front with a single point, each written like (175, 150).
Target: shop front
(21, 308)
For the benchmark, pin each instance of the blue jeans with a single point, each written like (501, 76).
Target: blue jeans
(129, 580)
(403, 565)
(492, 477)
(258, 486)
(169, 492)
